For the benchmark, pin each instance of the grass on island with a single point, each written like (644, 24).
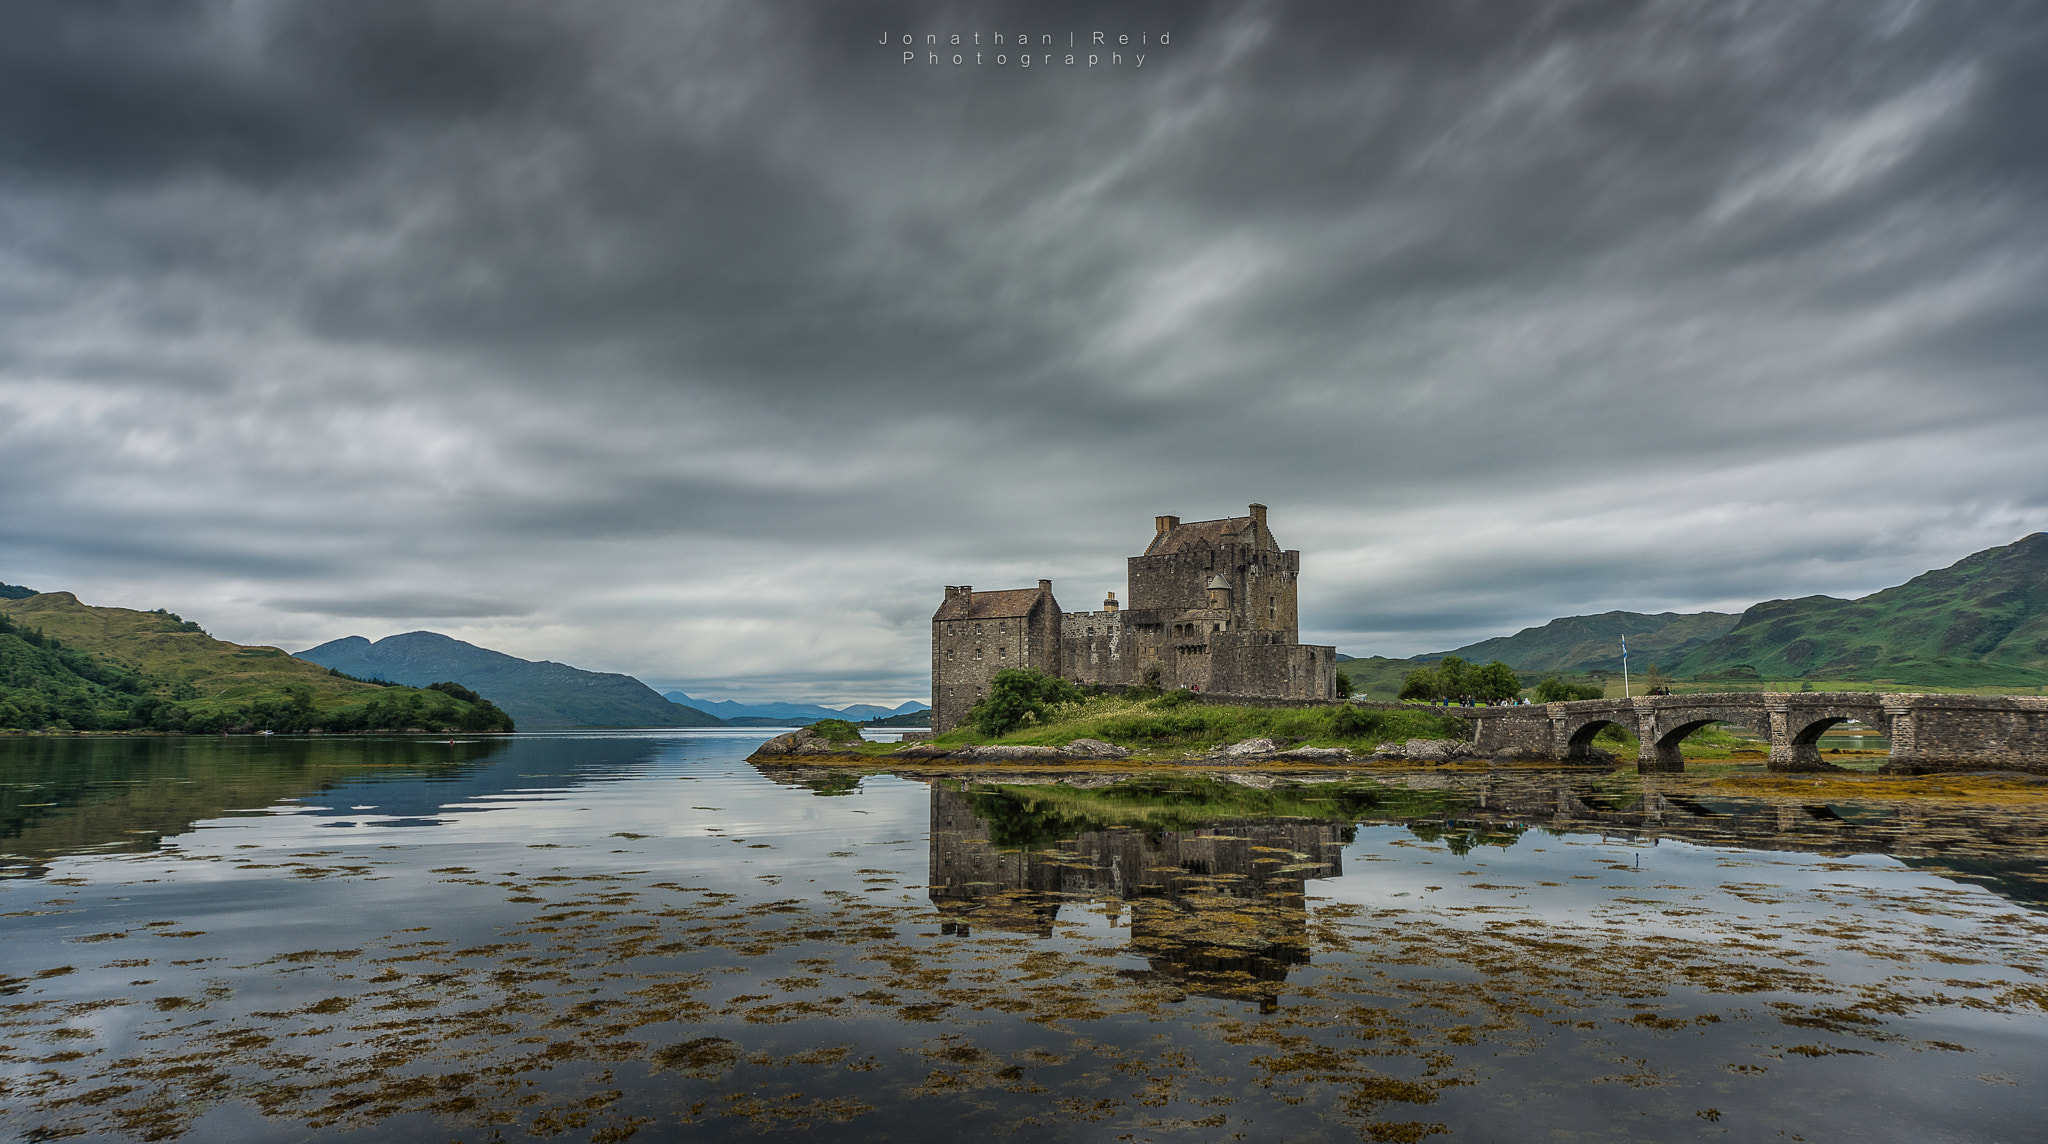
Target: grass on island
(1176, 723)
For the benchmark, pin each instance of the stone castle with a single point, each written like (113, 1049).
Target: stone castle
(1211, 607)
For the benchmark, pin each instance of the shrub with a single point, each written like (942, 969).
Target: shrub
(1019, 693)
(1351, 723)
(836, 730)
(1344, 687)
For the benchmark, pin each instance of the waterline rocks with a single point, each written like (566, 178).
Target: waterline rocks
(802, 742)
(1428, 751)
(1269, 749)
(808, 743)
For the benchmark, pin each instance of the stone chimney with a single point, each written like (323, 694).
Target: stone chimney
(1045, 587)
(1259, 515)
(1166, 523)
(1109, 604)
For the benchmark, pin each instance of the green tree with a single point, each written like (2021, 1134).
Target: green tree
(1493, 682)
(1555, 690)
(1343, 685)
(1453, 677)
(1016, 694)
(1423, 683)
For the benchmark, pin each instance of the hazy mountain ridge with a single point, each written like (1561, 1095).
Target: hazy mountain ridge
(539, 694)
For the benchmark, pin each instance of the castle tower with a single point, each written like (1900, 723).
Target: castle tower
(976, 634)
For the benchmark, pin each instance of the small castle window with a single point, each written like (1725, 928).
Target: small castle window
(1002, 653)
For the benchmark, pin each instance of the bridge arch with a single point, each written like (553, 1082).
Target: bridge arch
(1579, 743)
(1666, 751)
(1805, 729)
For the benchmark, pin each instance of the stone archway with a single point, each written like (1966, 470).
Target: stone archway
(1579, 745)
(1804, 753)
(1665, 753)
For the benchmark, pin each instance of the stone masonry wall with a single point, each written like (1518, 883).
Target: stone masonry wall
(1092, 647)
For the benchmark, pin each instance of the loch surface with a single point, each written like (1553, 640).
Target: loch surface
(604, 936)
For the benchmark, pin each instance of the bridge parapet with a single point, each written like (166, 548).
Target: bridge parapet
(1928, 732)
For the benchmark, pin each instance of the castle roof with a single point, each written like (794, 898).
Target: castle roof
(987, 605)
(1206, 534)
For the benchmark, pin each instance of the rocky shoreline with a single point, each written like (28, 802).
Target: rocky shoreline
(808, 744)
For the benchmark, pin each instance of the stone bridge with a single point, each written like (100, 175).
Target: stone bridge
(1928, 732)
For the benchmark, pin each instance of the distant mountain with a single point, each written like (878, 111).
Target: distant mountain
(1981, 621)
(792, 712)
(1587, 643)
(539, 695)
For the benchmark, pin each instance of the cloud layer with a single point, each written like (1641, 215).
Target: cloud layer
(705, 342)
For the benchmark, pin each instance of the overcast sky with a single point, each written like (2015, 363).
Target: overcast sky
(706, 342)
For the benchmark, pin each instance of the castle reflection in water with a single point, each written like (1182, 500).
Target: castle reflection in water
(1219, 908)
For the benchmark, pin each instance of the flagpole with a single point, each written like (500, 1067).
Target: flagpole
(1624, 667)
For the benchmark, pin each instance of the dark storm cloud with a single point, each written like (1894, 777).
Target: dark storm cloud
(715, 337)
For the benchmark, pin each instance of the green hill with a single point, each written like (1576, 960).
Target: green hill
(68, 666)
(539, 694)
(1982, 621)
(1590, 643)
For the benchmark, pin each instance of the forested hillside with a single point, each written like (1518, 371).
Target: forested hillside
(68, 666)
(1981, 621)
(1588, 643)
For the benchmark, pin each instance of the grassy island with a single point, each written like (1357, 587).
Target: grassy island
(1177, 723)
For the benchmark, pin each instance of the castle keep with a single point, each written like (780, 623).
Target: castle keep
(1211, 606)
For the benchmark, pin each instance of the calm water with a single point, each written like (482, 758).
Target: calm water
(603, 936)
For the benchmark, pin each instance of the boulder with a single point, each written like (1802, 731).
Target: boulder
(800, 742)
(1094, 749)
(1248, 747)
